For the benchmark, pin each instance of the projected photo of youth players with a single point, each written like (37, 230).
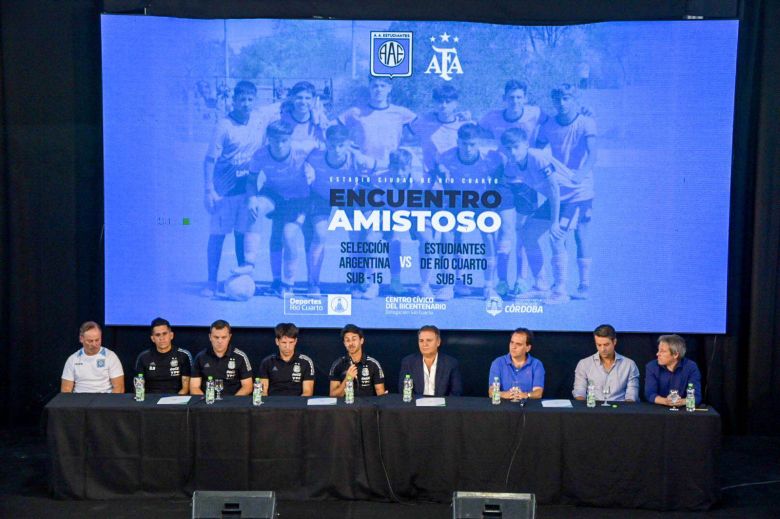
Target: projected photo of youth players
(305, 154)
(437, 132)
(236, 138)
(395, 180)
(571, 137)
(277, 188)
(376, 128)
(337, 167)
(516, 113)
(537, 170)
(303, 112)
(467, 168)
(363, 202)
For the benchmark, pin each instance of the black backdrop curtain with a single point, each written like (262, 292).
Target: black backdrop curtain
(51, 199)
(761, 342)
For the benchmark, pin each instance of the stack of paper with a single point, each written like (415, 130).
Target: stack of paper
(173, 400)
(556, 403)
(321, 401)
(430, 402)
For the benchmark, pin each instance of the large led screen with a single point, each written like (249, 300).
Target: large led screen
(397, 173)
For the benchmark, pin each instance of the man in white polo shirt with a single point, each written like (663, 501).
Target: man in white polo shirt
(92, 369)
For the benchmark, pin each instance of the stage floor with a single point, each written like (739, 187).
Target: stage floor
(24, 492)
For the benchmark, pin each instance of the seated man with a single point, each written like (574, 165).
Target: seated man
(433, 373)
(223, 362)
(521, 375)
(288, 372)
(671, 370)
(607, 370)
(367, 374)
(93, 368)
(166, 369)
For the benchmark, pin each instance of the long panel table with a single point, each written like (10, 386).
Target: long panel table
(632, 455)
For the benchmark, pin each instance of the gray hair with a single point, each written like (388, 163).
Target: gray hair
(676, 344)
(87, 326)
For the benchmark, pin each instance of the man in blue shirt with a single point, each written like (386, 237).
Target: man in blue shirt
(614, 376)
(671, 370)
(521, 375)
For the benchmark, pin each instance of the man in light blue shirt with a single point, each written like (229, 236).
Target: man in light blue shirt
(607, 370)
(521, 375)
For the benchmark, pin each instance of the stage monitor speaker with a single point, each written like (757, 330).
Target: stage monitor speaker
(490, 505)
(233, 505)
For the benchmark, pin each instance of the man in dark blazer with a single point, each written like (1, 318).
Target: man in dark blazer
(433, 373)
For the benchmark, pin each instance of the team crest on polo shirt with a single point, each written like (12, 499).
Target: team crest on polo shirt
(297, 368)
(231, 363)
(174, 362)
(365, 371)
(101, 363)
(152, 366)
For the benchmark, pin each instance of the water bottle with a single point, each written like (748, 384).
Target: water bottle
(496, 398)
(408, 387)
(140, 390)
(349, 392)
(690, 398)
(257, 392)
(210, 391)
(590, 397)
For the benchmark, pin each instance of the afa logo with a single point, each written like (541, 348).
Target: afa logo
(391, 54)
(445, 62)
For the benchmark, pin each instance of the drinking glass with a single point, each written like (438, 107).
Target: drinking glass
(674, 397)
(515, 394)
(219, 385)
(605, 394)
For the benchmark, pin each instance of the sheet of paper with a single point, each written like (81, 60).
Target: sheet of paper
(174, 400)
(321, 401)
(556, 403)
(430, 402)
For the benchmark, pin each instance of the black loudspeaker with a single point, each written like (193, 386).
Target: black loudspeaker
(489, 505)
(229, 505)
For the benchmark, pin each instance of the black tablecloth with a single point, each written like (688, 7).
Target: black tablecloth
(632, 456)
(635, 455)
